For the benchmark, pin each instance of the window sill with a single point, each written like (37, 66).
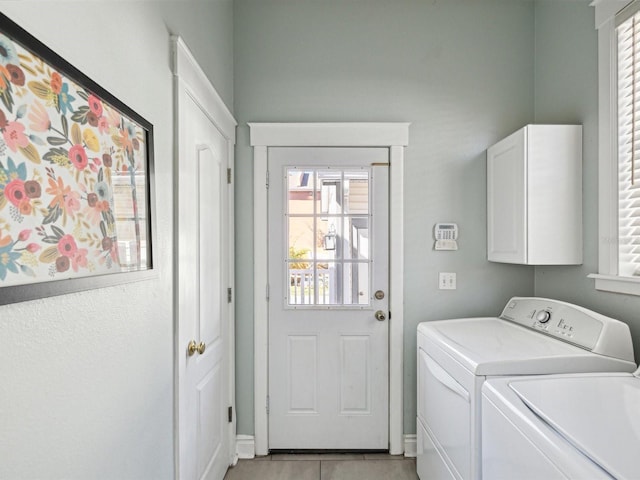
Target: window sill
(613, 283)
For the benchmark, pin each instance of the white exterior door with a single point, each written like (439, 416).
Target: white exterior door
(203, 270)
(328, 298)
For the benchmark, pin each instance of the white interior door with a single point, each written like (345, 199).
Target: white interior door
(203, 279)
(328, 298)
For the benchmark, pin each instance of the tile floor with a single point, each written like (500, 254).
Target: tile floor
(343, 466)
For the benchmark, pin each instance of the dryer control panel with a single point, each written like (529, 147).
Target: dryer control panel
(573, 324)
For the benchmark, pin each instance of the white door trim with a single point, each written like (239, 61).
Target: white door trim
(394, 136)
(189, 79)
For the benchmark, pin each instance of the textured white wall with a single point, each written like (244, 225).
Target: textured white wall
(86, 380)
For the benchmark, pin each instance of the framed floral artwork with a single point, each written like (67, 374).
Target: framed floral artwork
(76, 178)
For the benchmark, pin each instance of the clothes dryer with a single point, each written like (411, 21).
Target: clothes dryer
(582, 426)
(532, 336)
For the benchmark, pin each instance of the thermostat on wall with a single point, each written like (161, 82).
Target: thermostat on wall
(446, 235)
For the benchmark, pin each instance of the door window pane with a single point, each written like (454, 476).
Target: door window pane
(301, 285)
(328, 291)
(355, 281)
(301, 192)
(330, 238)
(356, 238)
(329, 182)
(328, 221)
(301, 238)
(356, 193)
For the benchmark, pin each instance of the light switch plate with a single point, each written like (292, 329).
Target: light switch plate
(447, 281)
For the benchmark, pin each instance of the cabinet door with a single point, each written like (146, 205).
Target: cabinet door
(506, 199)
(554, 181)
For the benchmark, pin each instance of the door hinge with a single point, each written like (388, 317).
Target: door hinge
(228, 175)
(267, 405)
(229, 295)
(230, 414)
(267, 179)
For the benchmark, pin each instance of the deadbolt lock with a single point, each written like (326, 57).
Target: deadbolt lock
(379, 295)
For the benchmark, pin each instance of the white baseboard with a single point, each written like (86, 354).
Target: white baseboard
(245, 446)
(410, 445)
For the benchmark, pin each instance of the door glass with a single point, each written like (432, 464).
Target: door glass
(329, 238)
(356, 192)
(356, 234)
(301, 288)
(301, 237)
(329, 182)
(301, 189)
(328, 221)
(356, 283)
(328, 293)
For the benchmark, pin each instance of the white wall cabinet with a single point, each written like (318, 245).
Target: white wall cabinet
(534, 196)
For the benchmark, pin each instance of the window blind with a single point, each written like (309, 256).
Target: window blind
(628, 104)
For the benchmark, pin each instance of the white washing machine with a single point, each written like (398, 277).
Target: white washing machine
(582, 426)
(532, 336)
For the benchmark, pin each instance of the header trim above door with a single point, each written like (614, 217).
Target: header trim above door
(329, 134)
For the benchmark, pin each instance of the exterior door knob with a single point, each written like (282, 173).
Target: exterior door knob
(380, 316)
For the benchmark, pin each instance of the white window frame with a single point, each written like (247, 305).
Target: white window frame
(607, 278)
(394, 136)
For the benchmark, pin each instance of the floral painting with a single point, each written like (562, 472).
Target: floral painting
(73, 175)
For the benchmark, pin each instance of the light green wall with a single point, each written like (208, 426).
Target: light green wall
(566, 91)
(461, 71)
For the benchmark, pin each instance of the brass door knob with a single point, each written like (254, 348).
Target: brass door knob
(194, 347)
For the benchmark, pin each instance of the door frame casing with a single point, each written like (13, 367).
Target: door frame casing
(189, 80)
(394, 136)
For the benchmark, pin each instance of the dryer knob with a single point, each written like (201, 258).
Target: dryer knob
(543, 316)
